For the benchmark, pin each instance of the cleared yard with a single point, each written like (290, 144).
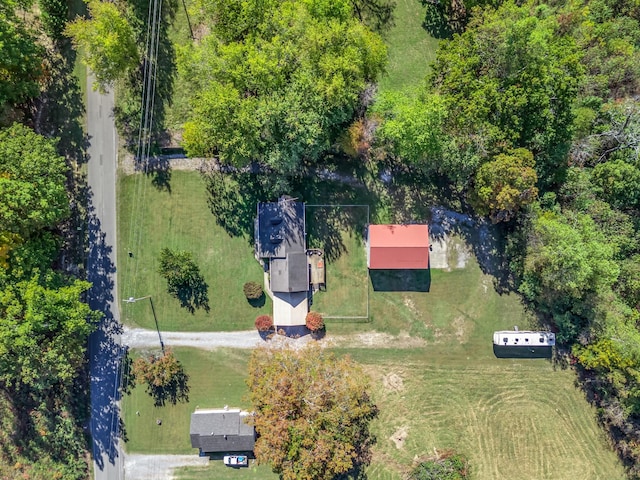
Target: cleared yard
(339, 232)
(521, 420)
(181, 219)
(411, 49)
(216, 379)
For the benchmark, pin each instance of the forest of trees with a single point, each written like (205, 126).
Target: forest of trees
(529, 115)
(44, 319)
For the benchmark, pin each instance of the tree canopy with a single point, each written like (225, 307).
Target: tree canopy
(20, 59)
(106, 40)
(43, 333)
(312, 412)
(184, 280)
(505, 185)
(32, 182)
(510, 80)
(274, 81)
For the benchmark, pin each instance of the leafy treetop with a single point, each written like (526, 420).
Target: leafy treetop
(312, 413)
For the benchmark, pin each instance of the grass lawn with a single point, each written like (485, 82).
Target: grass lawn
(345, 259)
(215, 469)
(181, 220)
(411, 49)
(216, 379)
(521, 420)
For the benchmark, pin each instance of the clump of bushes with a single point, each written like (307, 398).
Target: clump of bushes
(264, 323)
(314, 321)
(446, 466)
(252, 290)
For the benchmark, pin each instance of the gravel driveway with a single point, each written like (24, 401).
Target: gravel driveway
(159, 467)
(143, 338)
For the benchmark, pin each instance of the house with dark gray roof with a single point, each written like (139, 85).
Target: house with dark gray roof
(221, 431)
(280, 238)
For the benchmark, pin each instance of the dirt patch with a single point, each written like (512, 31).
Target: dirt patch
(399, 437)
(459, 325)
(376, 340)
(393, 382)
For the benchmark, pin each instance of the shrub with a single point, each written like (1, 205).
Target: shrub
(264, 323)
(314, 321)
(252, 290)
(448, 466)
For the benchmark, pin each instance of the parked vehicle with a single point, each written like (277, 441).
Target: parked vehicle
(236, 460)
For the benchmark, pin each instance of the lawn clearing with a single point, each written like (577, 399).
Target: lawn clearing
(216, 379)
(339, 231)
(410, 47)
(512, 419)
(215, 469)
(150, 219)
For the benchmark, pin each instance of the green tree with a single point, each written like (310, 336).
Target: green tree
(164, 377)
(413, 128)
(312, 413)
(20, 60)
(32, 182)
(107, 42)
(43, 333)
(275, 81)
(568, 264)
(184, 280)
(510, 80)
(505, 185)
(619, 183)
(54, 16)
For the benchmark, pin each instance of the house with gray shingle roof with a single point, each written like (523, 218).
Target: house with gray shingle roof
(221, 431)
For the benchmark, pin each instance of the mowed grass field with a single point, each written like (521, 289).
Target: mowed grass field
(521, 419)
(513, 420)
(149, 220)
(410, 48)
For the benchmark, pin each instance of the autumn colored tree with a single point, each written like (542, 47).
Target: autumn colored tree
(314, 321)
(252, 290)
(312, 412)
(164, 377)
(506, 184)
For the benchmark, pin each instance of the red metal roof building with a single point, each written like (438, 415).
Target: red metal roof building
(396, 247)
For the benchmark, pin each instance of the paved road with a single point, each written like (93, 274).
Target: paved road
(104, 344)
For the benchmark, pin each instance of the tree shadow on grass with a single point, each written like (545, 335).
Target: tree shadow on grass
(59, 110)
(177, 390)
(194, 296)
(233, 199)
